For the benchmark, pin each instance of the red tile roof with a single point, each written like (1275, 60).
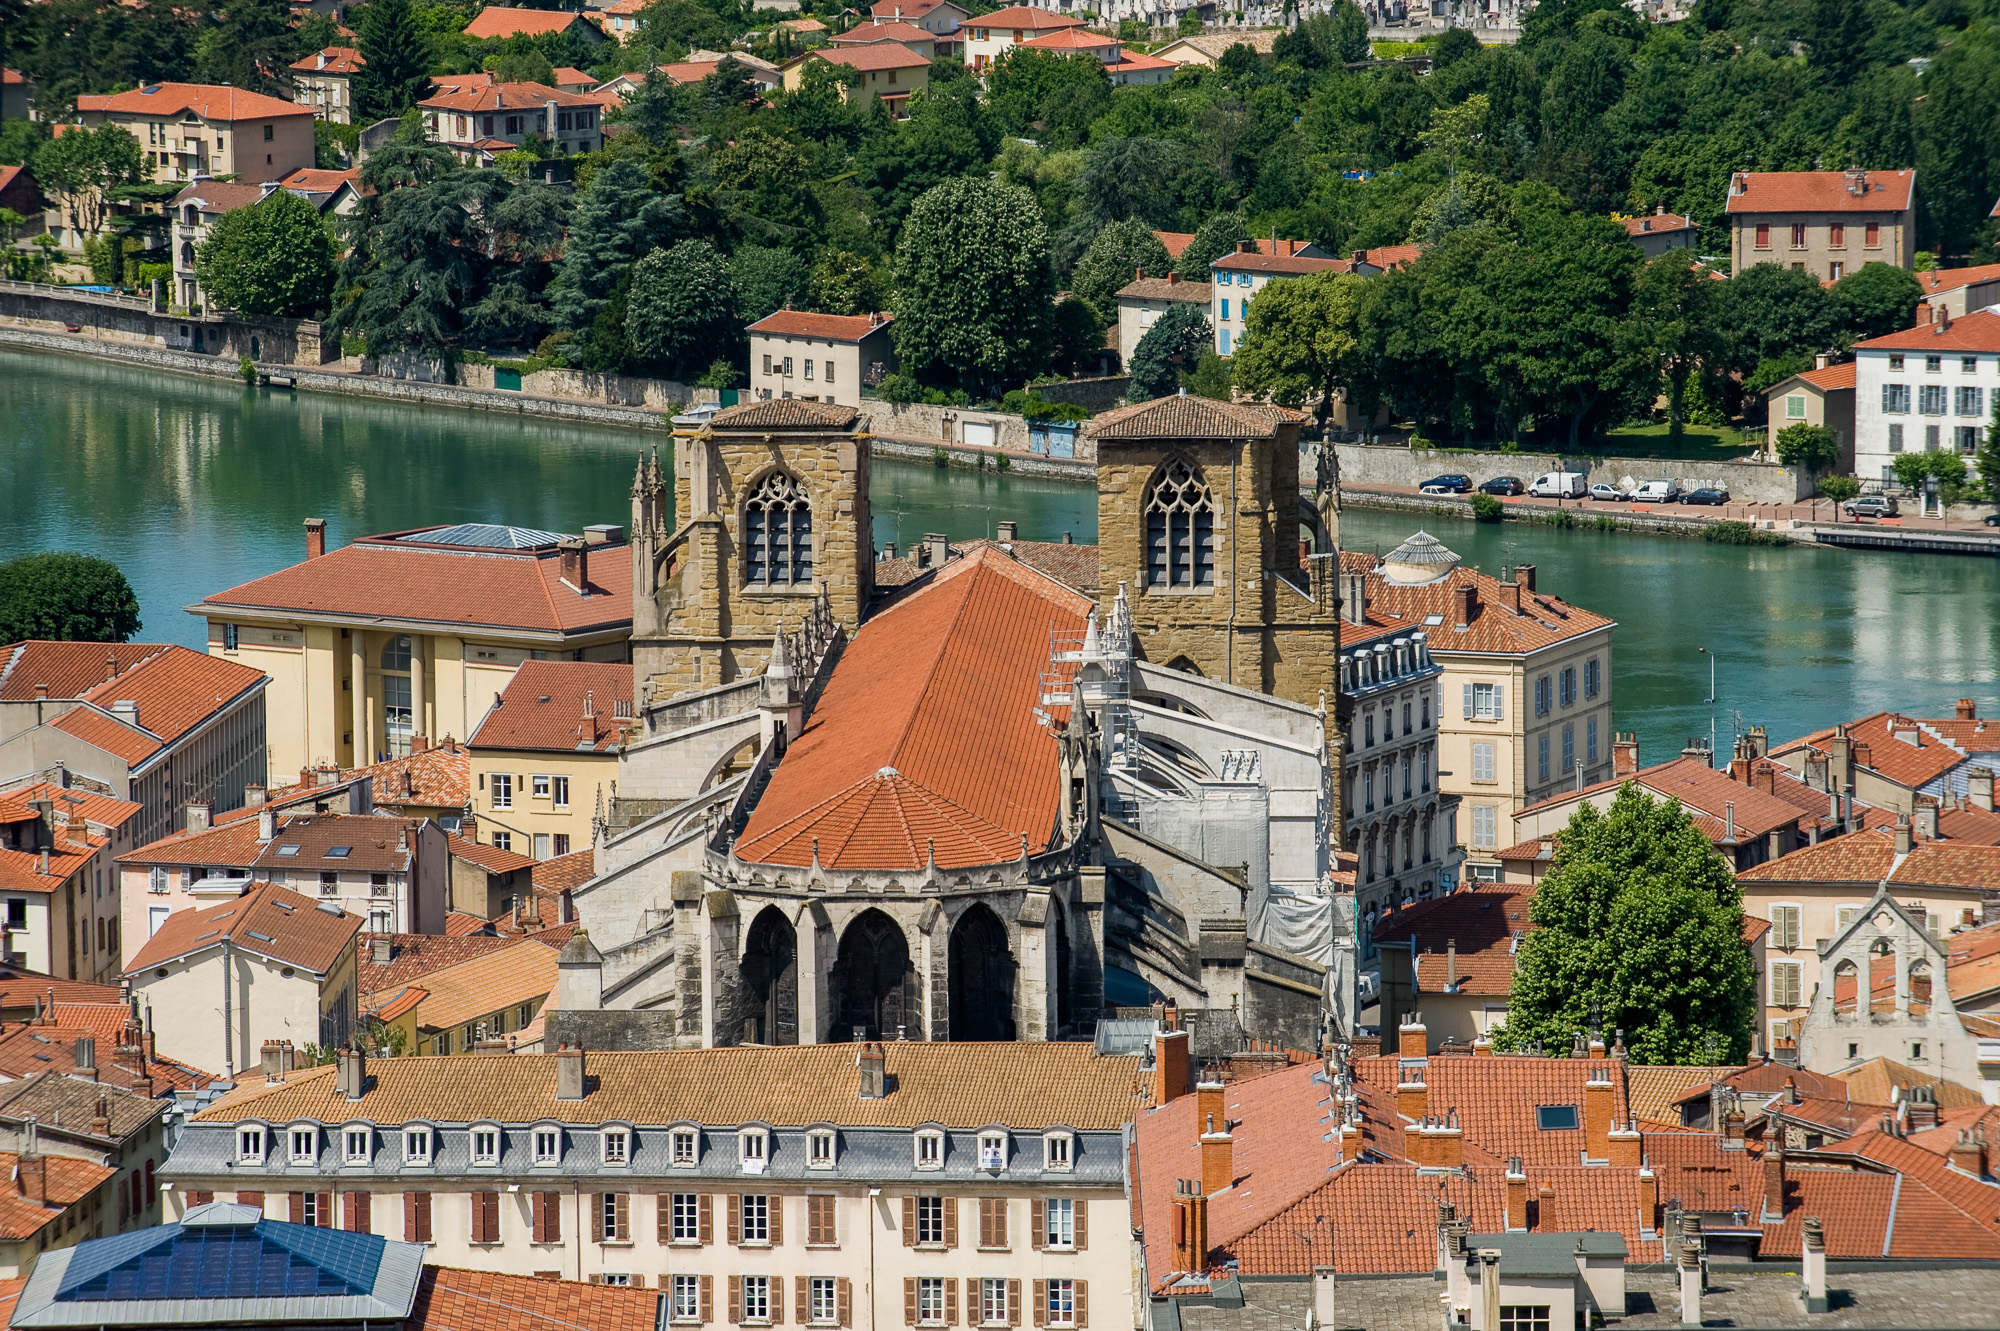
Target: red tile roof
(312, 180)
(1833, 378)
(1480, 924)
(1657, 225)
(379, 579)
(1024, 17)
(267, 920)
(926, 732)
(1978, 331)
(490, 858)
(1702, 790)
(779, 413)
(69, 1181)
(23, 988)
(440, 777)
(499, 21)
(543, 706)
(28, 1049)
(1544, 621)
(876, 55)
(1072, 39)
(413, 956)
(100, 812)
(832, 327)
(1280, 264)
(176, 689)
(332, 60)
(1864, 858)
(883, 31)
(568, 74)
(1180, 417)
(565, 871)
(504, 96)
(454, 1300)
(1951, 279)
(1175, 241)
(1820, 192)
(209, 101)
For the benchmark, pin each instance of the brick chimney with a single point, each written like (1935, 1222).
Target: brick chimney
(872, 1059)
(570, 1081)
(1465, 601)
(1412, 1097)
(32, 1173)
(1482, 1048)
(1190, 1226)
(1969, 1154)
(1411, 1037)
(100, 1117)
(1624, 1146)
(1218, 1157)
(1923, 1108)
(272, 1061)
(1624, 755)
(1774, 1184)
(1597, 1115)
(1170, 1066)
(1649, 1200)
(1510, 595)
(575, 564)
(315, 537)
(1517, 1196)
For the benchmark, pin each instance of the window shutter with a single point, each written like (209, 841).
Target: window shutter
(1081, 1229)
(909, 1222)
(597, 1216)
(735, 1221)
(707, 1219)
(707, 1310)
(735, 1300)
(416, 1217)
(1468, 702)
(255, 1199)
(1499, 702)
(775, 1209)
(775, 1298)
(199, 1197)
(1013, 1303)
(909, 1301)
(298, 1208)
(359, 1217)
(802, 1300)
(950, 1222)
(621, 1215)
(843, 1300)
(951, 1302)
(325, 1217)
(535, 1218)
(1082, 1288)
(1038, 1225)
(1041, 1303)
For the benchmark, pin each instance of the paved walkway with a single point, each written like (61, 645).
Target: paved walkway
(1825, 512)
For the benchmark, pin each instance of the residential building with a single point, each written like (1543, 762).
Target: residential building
(1827, 223)
(1660, 232)
(487, 881)
(887, 1185)
(494, 997)
(324, 81)
(941, 18)
(51, 1202)
(1205, 48)
(1453, 957)
(195, 211)
(24, 992)
(1812, 896)
(391, 873)
(620, 19)
(1889, 760)
(1145, 299)
(1961, 291)
(1527, 685)
(156, 725)
(1928, 388)
(482, 121)
(405, 636)
(909, 36)
(189, 130)
(71, 1115)
(1124, 67)
(819, 357)
(544, 757)
(19, 192)
(500, 22)
(58, 882)
(570, 79)
(282, 964)
(104, 1043)
(1238, 276)
(806, 31)
(987, 37)
(1823, 395)
(434, 781)
(334, 193)
(882, 69)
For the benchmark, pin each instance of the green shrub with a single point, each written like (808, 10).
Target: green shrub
(1030, 404)
(1731, 532)
(1840, 489)
(940, 457)
(248, 369)
(1000, 462)
(1485, 508)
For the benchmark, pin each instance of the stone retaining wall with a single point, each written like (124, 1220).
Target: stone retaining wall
(1683, 523)
(132, 319)
(1093, 395)
(1747, 482)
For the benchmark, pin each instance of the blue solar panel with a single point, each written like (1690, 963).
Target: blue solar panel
(239, 1262)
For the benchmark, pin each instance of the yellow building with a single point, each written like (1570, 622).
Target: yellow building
(187, 130)
(496, 996)
(546, 756)
(395, 639)
(888, 70)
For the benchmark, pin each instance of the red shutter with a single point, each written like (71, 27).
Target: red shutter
(359, 1212)
(416, 1217)
(255, 1199)
(199, 1197)
(1081, 1228)
(298, 1208)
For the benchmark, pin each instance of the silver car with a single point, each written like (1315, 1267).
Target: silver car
(1609, 494)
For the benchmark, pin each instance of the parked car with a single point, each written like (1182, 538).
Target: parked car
(1559, 485)
(1503, 485)
(1608, 493)
(1993, 519)
(1451, 483)
(1656, 492)
(1871, 506)
(1707, 494)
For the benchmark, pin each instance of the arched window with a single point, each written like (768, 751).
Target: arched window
(777, 534)
(1180, 530)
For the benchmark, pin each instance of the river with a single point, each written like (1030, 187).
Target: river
(193, 485)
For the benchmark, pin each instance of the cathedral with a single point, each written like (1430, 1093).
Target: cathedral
(977, 801)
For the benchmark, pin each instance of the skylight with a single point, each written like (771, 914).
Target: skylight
(339, 852)
(1555, 1118)
(284, 851)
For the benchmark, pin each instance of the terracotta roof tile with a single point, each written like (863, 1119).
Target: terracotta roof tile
(876, 55)
(453, 1300)
(100, 812)
(439, 777)
(499, 21)
(176, 689)
(565, 871)
(210, 101)
(517, 973)
(337, 60)
(68, 669)
(1864, 858)
(883, 30)
(48, 1096)
(1978, 331)
(1025, 17)
(1545, 619)
(1654, 1091)
(1183, 417)
(542, 708)
(1480, 923)
(490, 858)
(1701, 789)
(1940, 746)
(1878, 1080)
(413, 956)
(1022, 1085)
(69, 1181)
(1657, 225)
(782, 412)
(505, 96)
(1951, 279)
(21, 988)
(1072, 565)
(1071, 39)
(28, 1049)
(1161, 288)
(1833, 377)
(1820, 192)
(267, 920)
(832, 327)
(1175, 241)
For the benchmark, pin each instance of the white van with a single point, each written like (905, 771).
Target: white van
(1656, 492)
(1560, 485)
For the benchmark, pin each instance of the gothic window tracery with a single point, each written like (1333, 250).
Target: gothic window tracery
(777, 534)
(1180, 529)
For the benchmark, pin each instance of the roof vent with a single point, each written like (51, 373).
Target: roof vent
(333, 908)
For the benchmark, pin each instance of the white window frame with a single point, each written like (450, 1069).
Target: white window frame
(547, 1142)
(485, 1142)
(1487, 702)
(685, 1215)
(686, 1151)
(252, 1141)
(357, 1144)
(753, 1150)
(1059, 1223)
(822, 1150)
(559, 791)
(616, 1147)
(822, 1300)
(538, 786)
(686, 1293)
(500, 791)
(417, 1145)
(755, 1211)
(930, 1300)
(928, 1149)
(994, 1306)
(759, 1288)
(1058, 1152)
(1061, 1293)
(294, 1136)
(993, 1151)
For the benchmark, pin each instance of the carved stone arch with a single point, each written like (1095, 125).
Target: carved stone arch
(1846, 987)
(768, 975)
(1181, 528)
(874, 986)
(982, 974)
(776, 537)
(737, 760)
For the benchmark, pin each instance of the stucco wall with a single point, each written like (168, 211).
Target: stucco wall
(1747, 482)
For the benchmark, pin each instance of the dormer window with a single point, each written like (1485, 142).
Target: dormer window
(684, 1148)
(416, 1146)
(993, 1150)
(357, 1146)
(486, 1146)
(930, 1149)
(250, 1145)
(548, 1146)
(753, 1149)
(304, 1146)
(819, 1149)
(1056, 1152)
(617, 1146)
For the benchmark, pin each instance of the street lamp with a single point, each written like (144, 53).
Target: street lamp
(1710, 700)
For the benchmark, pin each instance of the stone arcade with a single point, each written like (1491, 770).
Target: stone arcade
(980, 805)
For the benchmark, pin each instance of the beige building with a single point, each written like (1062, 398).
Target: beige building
(187, 130)
(58, 881)
(1662, 231)
(408, 636)
(545, 758)
(479, 121)
(1820, 396)
(268, 965)
(886, 70)
(1962, 291)
(324, 81)
(987, 37)
(1144, 299)
(909, 36)
(1827, 223)
(819, 357)
(829, 1185)
(494, 997)
(1527, 685)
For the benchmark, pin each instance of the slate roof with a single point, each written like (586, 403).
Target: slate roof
(1978, 331)
(832, 327)
(926, 732)
(267, 920)
(1183, 417)
(1820, 192)
(69, 1103)
(542, 708)
(213, 102)
(779, 413)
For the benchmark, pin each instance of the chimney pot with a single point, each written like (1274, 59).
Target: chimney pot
(1902, 834)
(873, 1059)
(86, 1056)
(315, 537)
(570, 1084)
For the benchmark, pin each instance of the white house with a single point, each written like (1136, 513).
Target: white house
(1926, 388)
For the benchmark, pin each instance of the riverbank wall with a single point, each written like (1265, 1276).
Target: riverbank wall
(133, 319)
(1747, 482)
(1683, 523)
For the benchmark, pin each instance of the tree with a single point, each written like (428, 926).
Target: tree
(1812, 447)
(847, 283)
(1128, 178)
(1211, 377)
(270, 257)
(1839, 489)
(1078, 338)
(1299, 341)
(1875, 300)
(398, 59)
(921, 154)
(251, 45)
(617, 219)
(1773, 311)
(1672, 308)
(1119, 251)
(1189, 24)
(1639, 927)
(82, 166)
(681, 307)
(66, 597)
(1987, 460)
(975, 297)
(1213, 239)
(519, 60)
(1341, 33)
(767, 278)
(525, 220)
(1174, 342)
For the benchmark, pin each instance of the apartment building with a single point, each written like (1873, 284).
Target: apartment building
(58, 881)
(1823, 395)
(187, 130)
(545, 758)
(819, 357)
(324, 82)
(1239, 276)
(380, 644)
(1893, 761)
(1144, 299)
(915, 1184)
(1827, 223)
(479, 121)
(1527, 685)
(987, 37)
(1927, 388)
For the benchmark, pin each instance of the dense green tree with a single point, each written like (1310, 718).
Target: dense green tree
(683, 24)
(617, 219)
(1341, 33)
(1639, 928)
(1673, 317)
(847, 283)
(1062, 94)
(1956, 150)
(1214, 239)
(67, 598)
(1077, 340)
(897, 168)
(398, 55)
(70, 47)
(1987, 460)
(975, 294)
(1173, 344)
(682, 307)
(1773, 311)
(1300, 341)
(272, 257)
(767, 278)
(82, 167)
(1813, 447)
(524, 220)
(519, 60)
(251, 45)
(1212, 377)
(1875, 300)
(1124, 178)
(1119, 251)
(653, 110)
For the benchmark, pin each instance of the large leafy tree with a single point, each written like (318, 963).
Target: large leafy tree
(1173, 344)
(1119, 251)
(1639, 926)
(682, 307)
(1214, 239)
(1079, 337)
(766, 278)
(66, 597)
(1673, 312)
(1300, 341)
(82, 167)
(1875, 300)
(271, 257)
(251, 45)
(524, 220)
(397, 52)
(975, 296)
(1771, 311)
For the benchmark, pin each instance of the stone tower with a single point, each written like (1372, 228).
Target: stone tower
(770, 512)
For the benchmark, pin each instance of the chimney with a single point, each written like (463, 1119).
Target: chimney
(1597, 1115)
(1354, 597)
(937, 549)
(86, 1056)
(1902, 834)
(888, 550)
(32, 1171)
(1623, 1146)
(1923, 1109)
(569, 1072)
(872, 1058)
(315, 537)
(1525, 575)
(1465, 599)
(1173, 278)
(1510, 595)
(1732, 1126)
(1412, 1041)
(1170, 1066)
(1447, 1142)
(381, 949)
(197, 815)
(1138, 274)
(1968, 710)
(1624, 755)
(1412, 1096)
(253, 794)
(100, 1117)
(1218, 1157)
(273, 1061)
(353, 1077)
(1007, 530)
(1857, 183)
(1190, 1226)
(1927, 818)
(1690, 1282)
(1774, 1184)
(1357, 257)
(267, 823)
(1517, 1196)
(1814, 1291)
(1979, 788)
(1969, 1154)
(575, 566)
(1482, 1047)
